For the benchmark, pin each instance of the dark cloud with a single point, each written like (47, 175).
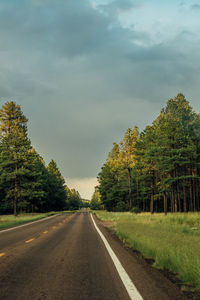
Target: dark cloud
(53, 26)
(195, 6)
(82, 78)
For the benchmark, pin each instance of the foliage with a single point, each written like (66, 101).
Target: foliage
(74, 201)
(57, 193)
(14, 154)
(95, 202)
(136, 210)
(157, 170)
(26, 184)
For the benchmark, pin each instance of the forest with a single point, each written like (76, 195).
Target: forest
(158, 169)
(26, 183)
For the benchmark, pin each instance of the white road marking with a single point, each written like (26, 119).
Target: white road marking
(44, 219)
(130, 287)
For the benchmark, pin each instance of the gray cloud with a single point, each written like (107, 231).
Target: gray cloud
(195, 6)
(82, 78)
(119, 6)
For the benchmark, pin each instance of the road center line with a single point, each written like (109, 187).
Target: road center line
(29, 241)
(2, 254)
(130, 287)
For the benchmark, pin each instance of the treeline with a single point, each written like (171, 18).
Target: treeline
(26, 183)
(157, 170)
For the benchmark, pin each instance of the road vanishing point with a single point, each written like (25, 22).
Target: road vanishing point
(74, 257)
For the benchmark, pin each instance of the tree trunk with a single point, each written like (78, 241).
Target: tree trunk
(179, 199)
(165, 203)
(156, 208)
(191, 198)
(151, 205)
(193, 193)
(15, 197)
(184, 200)
(174, 193)
(172, 201)
(144, 204)
(175, 202)
(152, 195)
(197, 196)
(137, 191)
(129, 189)
(15, 206)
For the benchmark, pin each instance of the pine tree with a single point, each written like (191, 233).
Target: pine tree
(36, 187)
(175, 126)
(57, 192)
(12, 119)
(127, 157)
(14, 145)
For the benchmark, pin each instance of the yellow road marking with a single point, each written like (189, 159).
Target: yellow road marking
(45, 231)
(29, 241)
(2, 254)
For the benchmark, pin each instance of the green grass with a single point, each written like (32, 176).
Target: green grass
(7, 221)
(173, 241)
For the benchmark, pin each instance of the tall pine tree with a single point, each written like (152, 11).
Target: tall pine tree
(14, 145)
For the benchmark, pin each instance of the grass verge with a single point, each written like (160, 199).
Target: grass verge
(173, 241)
(7, 221)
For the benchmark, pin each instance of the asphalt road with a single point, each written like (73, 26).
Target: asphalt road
(64, 257)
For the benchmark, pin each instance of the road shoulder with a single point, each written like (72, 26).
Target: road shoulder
(150, 281)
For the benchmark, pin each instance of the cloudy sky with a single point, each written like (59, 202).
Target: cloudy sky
(84, 71)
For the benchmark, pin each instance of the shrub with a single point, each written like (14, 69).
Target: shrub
(136, 210)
